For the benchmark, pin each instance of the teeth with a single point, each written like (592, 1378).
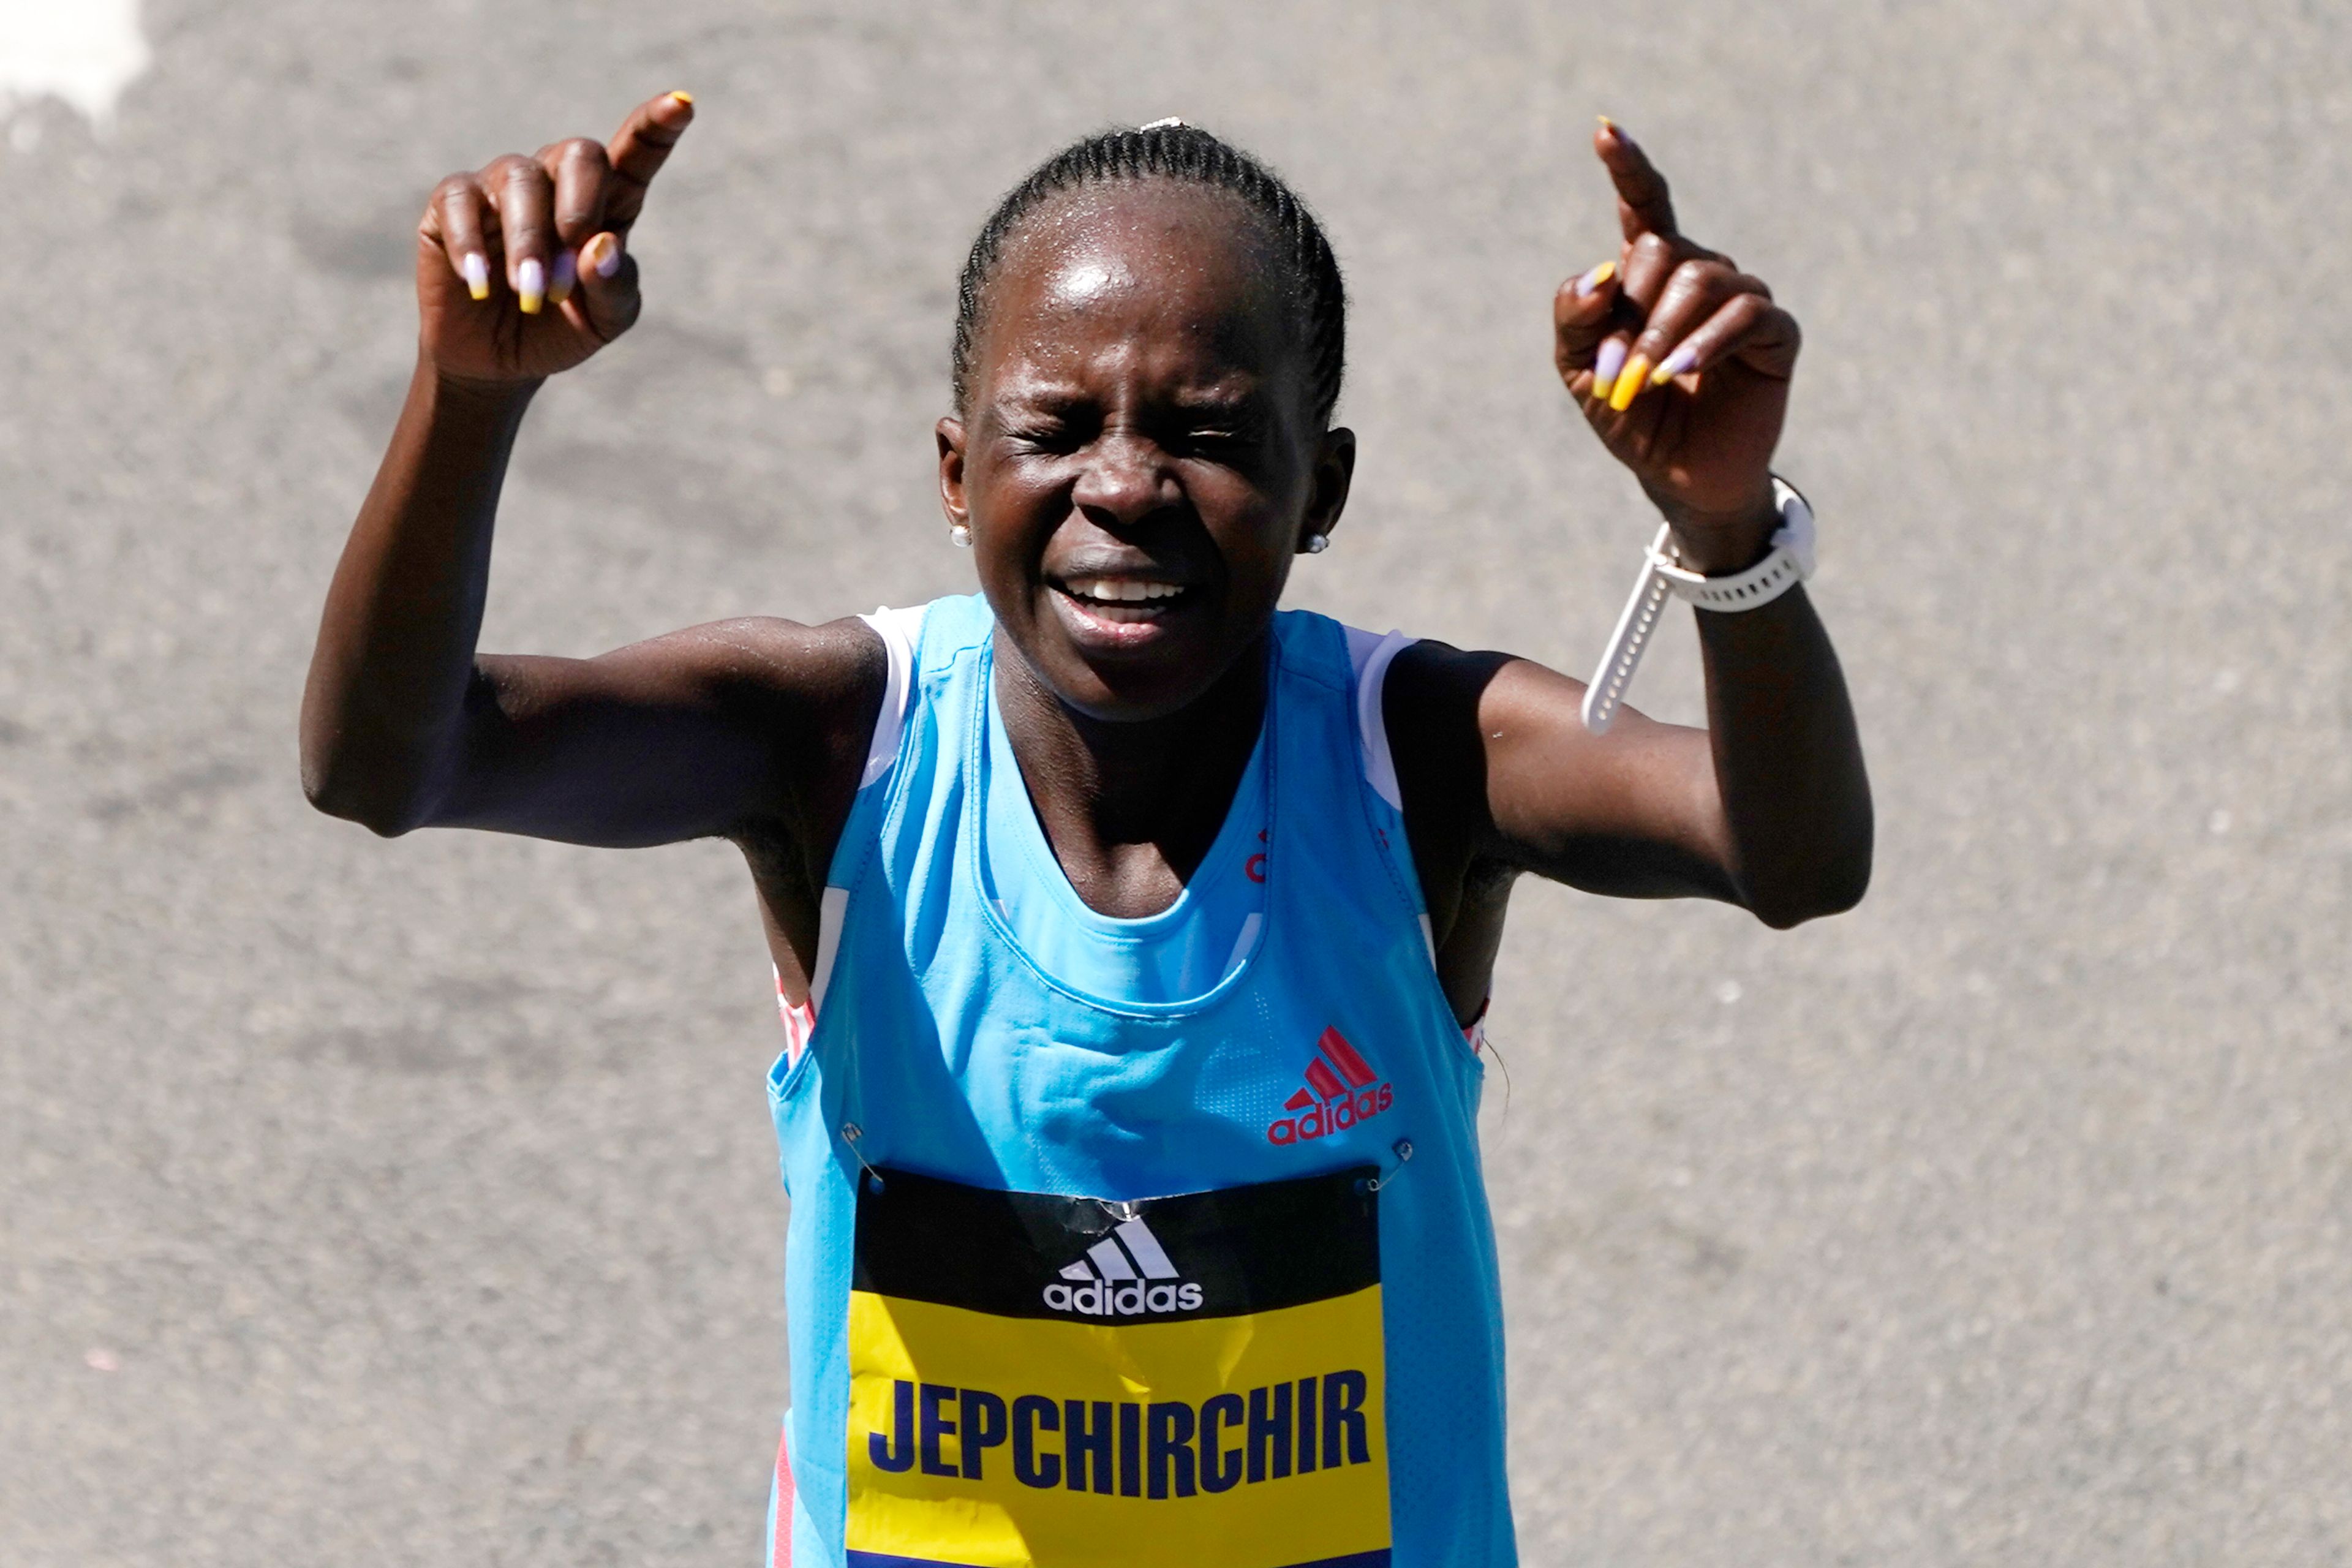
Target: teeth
(1122, 590)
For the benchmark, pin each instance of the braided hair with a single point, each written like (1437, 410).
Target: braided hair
(1185, 155)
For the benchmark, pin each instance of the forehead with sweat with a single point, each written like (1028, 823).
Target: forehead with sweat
(1164, 170)
(1164, 267)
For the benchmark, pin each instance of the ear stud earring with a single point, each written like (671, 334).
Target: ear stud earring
(1317, 544)
(960, 535)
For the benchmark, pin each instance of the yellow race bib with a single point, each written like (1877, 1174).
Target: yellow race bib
(1194, 1382)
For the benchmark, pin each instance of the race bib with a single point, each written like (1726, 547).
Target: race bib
(1192, 1382)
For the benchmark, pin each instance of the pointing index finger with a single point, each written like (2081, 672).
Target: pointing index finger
(1644, 205)
(638, 149)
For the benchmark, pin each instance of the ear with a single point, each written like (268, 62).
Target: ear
(951, 493)
(1335, 471)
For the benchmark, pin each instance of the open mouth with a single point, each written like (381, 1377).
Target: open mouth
(1112, 615)
(1123, 600)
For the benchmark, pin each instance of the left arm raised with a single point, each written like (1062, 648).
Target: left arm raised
(1682, 364)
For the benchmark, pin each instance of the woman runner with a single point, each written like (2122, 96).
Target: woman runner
(1132, 937)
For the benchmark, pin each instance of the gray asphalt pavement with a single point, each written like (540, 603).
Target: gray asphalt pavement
(415, 1202)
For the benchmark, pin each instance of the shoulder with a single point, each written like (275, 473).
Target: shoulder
(825, 699)
(1433, 694)
(1415, 702)
(1429, 703)
(860, 664)
(764, 664)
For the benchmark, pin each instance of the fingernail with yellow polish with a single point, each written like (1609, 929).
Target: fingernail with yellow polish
(1605, 366)
(531, 284)
(683, 97)
(1592, 282)
(476, 270)
(604, 254)
(567, 273)
(1629, 386)
(1679, 362)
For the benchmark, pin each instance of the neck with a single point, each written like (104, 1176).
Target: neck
(1131, 809)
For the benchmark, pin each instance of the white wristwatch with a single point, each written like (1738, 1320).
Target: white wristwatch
(1789, 563)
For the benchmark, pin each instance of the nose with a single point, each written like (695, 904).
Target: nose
(1126, 479)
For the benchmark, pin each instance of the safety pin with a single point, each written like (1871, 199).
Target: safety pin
(850, 1134)
(1402, 1149)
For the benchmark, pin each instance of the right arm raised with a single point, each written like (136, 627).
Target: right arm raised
(521, 273)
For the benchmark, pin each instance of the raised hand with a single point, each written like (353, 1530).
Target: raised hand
(522, 266)
(1682, 364)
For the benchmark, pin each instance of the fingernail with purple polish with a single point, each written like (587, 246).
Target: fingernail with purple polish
(475, 269)
(1590, 284)
(531, 285)
(608, 256)
(567, 273)
(1605, 366)
(1679, 362)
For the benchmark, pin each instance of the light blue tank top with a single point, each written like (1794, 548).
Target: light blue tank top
(1078, 1280)
(1181, 951)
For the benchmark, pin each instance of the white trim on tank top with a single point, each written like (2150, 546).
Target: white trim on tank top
(900, 630)
(1371, 655)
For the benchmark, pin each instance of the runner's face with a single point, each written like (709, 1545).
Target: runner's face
(1140, 463)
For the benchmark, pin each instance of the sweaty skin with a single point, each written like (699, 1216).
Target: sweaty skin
(1140, 465)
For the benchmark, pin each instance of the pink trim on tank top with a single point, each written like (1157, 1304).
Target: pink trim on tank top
(781, 1551)
(800, 1023)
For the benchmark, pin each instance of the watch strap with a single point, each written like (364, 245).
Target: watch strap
(1789, 562)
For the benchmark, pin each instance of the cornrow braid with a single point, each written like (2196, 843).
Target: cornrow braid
(1171, 150)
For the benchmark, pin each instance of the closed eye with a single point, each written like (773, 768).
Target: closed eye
(1224, 439)
(1043, 436)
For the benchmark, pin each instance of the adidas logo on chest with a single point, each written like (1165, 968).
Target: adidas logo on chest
(1341, 1090)
(1126, 1274)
